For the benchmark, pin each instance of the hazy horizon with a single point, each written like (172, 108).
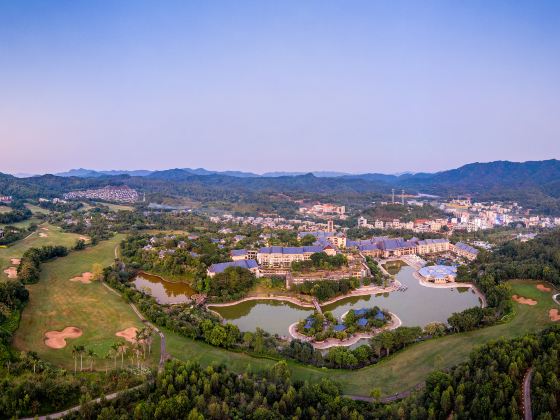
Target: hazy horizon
(354, 87)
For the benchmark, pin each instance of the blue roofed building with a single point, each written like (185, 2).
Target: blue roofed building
(380, 316)
(465, 250)
(362, 322)
(360, 312)
(250, 265)
(339, 327)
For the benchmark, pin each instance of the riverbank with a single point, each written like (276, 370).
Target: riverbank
(335, 342)
(453, 285)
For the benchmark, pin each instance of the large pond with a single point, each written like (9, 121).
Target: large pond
(417, 306)
(165, 292)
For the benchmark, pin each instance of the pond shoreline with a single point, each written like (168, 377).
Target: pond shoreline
(362, 291)
(335, 342)
(452, 285)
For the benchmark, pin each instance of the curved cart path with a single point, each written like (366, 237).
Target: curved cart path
(527, 410)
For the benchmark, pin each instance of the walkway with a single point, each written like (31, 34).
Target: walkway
(527, 410)
(317, 306)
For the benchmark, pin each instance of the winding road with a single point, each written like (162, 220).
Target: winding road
(527, 410)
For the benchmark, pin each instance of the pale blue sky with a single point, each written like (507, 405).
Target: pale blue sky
(357, 86)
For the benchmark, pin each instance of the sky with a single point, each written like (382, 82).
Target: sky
(353, 86)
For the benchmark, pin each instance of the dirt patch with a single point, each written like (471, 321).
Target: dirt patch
(129, 334)
(57, 339)
(524, 301)
(43, 235)
(11, 272)
(554, 315)
(543, 288)
(85, 278)
(15, 261)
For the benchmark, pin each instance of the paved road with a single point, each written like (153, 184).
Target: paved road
(61, 414)
(528, 412)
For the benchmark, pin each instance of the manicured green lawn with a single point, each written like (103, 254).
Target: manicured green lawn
(402, 371)
(54, 236)
(55, 303)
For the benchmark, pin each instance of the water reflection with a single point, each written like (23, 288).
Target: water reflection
(417, 306)
(165, 292)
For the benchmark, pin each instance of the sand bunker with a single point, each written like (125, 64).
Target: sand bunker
(57, 339)
(524, 301)
(15, 261)
(129, 334)
(85, 278)
(43, 235)
(83, 238)
(44, 228)
(543, 288)
(11, 272)
(553, 314)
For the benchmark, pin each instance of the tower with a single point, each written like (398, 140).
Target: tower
(402, 197)
(330, 226)
(393, 196)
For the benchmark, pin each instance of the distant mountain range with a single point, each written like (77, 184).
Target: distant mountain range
(91, 173)
(535, 183)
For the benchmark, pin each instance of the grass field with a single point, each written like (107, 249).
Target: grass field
(117, 207)
(36, 209)
(401, 371)
(56, 303)
(55, 236)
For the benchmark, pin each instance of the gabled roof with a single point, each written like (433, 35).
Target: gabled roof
(466, 248)
(238, 252)
(220, 267)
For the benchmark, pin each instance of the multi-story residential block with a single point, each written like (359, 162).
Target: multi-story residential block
(282, 257)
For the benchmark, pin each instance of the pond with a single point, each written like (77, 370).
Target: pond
(417, 306)
(165, 292)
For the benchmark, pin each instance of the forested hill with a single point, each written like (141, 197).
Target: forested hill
(533, 184)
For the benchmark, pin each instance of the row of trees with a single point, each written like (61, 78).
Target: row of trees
(19, 213)
(320, 261)
(326, 289)
(30, 266)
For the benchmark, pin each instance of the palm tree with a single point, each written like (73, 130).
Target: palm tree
(81, 351)
(115, 349)
(122, 350)
(91, 355)
(140, 338)
(75, 352)
(108, 356)
(149, 338)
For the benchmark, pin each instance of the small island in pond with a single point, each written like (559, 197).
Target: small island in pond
(356, 323)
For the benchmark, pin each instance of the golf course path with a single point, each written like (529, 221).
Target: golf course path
(163, 356)
(64, 413)
(527, 411)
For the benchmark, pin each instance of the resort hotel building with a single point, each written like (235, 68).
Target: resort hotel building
(284, 256)
(438, 274)
(250, 265)
(384, 247)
